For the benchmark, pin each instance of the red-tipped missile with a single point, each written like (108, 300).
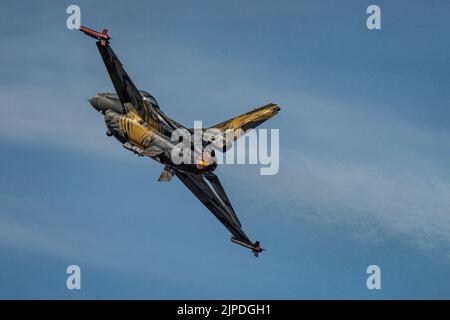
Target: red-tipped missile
(256, 249)
(102, 36)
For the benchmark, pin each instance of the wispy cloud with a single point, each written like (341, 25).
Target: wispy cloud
(368, 204)
(349, 169)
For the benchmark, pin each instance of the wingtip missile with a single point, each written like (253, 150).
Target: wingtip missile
(255, 247)
(102, 36)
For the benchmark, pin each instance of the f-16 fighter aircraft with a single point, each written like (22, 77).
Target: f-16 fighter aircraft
(134, 118)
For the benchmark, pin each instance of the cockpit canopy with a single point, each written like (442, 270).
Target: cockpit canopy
(147, 96)
(107, 100)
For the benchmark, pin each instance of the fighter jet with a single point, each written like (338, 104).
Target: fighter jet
(135, 119)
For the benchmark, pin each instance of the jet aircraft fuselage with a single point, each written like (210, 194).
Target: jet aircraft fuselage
(134, 118)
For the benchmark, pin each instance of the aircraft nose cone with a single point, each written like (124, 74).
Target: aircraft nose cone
(94, 102)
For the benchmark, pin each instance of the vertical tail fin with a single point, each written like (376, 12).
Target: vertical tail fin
(244, 122)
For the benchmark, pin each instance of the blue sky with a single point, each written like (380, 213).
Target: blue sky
(364, 141)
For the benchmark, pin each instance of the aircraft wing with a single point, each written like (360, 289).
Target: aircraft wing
(130, 97)
(208, 189)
